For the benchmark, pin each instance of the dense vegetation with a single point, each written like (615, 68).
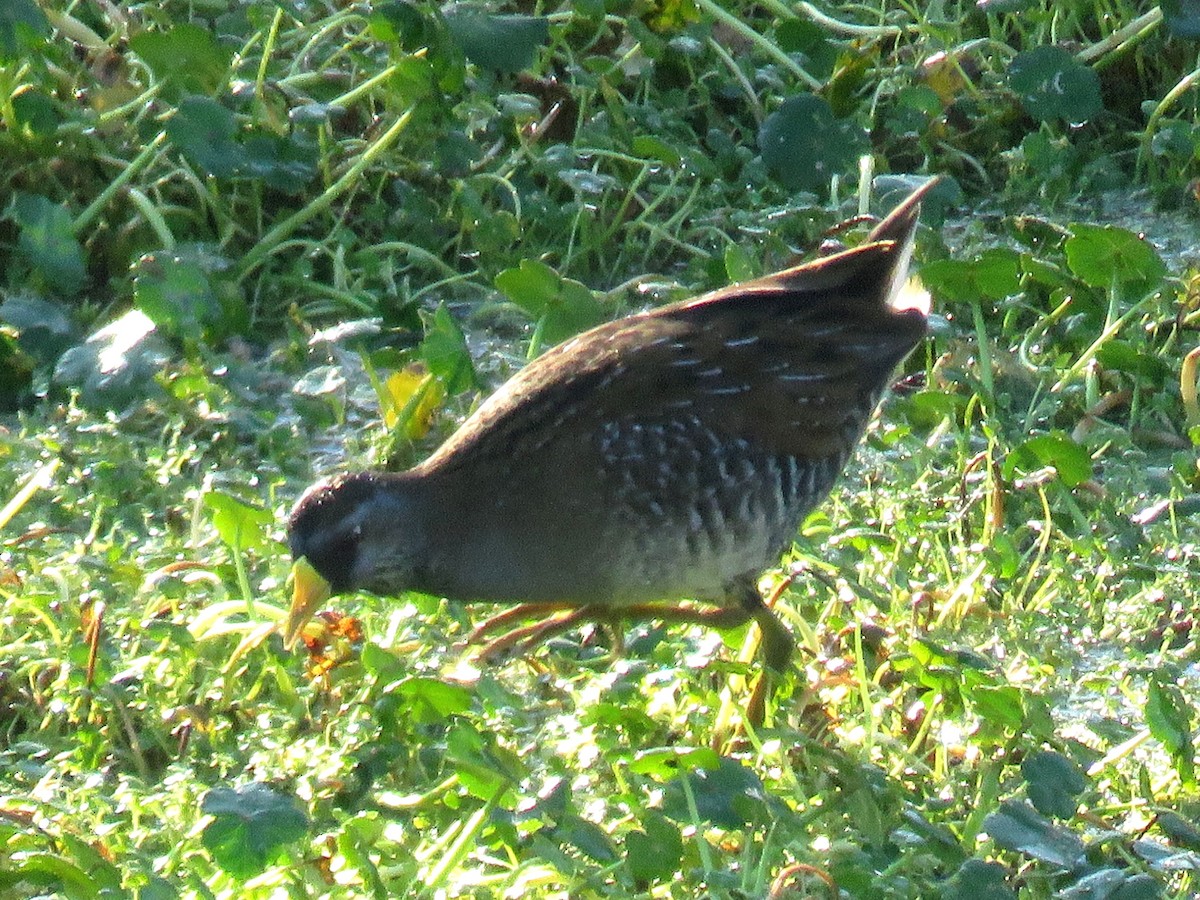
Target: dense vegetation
(245, 244)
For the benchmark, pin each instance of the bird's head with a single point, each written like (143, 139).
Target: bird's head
(348, 534)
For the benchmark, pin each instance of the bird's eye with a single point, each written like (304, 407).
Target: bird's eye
(357, 531)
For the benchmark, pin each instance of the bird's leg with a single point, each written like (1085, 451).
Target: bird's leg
(517, 613)
(529, 635)
(524, 639)
(777, 642)
(719, 617)
(777, 646)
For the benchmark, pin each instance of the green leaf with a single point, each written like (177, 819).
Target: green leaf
(654, 854)
(1018, 827)
(22, 25)
(43, 328)
(250, 828)
(1169, 718)
(554, 802)
(1139, 886)
(1105, 255)
(1181, 831)
(482, 765)
(385, 665)
(650, 147)
(1069, 459)
(286, 164)
(916, 108)
(51, 871)
(811, 41)
(1174, 138)
(562, 306)
(413, 79)
(1121, 356)
(1053, 782)
(205, 132)
(1053, 85)
(729, 795)
(444, 350)
(929, 408)
(667, 762)
(240, 525)
(401, 23)
(187, 57)
(803, 145)
(1000, 705)
(587, 837)
(499, 43)
(37, 113)
(430, 700)
(176, 294)
(1182, 18)
(496, 233)
(739, 265)
(47, 241)
(978, 880)
(1111, 883)
(994, 275)
(16, 374)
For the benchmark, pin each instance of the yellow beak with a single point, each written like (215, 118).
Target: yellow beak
(309, 590)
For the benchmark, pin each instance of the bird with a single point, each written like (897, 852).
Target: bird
(652, 467)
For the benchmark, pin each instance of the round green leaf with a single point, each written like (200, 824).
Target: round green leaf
(1068, 458)
(978, 880)
(654, 854)
(500, 43)
(433, 700)
(667, 762)
(36, 112)
(1017, 826)
(1053, 782)
(286, 164)
(117, 364)
(994, 275)
(250, 827)
(803, 144)
(1053, 85)
(176, 294)
(239, 524)
(47, 241)
(564, 307)
(204, 131)
(187, 56)
(729, 796)
(44, 328)
(1105, 255)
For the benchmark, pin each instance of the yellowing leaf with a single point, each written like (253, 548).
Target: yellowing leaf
(412, 396)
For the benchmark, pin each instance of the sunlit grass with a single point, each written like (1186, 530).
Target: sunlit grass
(996, 605)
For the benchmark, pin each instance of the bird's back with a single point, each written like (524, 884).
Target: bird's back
(667, 454)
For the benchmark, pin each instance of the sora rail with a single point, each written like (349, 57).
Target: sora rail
(667, 456)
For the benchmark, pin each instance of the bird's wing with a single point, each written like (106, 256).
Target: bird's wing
(794, 362)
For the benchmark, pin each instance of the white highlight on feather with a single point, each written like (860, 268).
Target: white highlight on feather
(905, 292)
(911, 295)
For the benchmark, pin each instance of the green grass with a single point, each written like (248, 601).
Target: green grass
(227, 228)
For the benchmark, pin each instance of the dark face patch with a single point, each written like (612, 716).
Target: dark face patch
(322, 526)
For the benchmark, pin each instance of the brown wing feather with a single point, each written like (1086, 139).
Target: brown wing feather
(793, 362)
